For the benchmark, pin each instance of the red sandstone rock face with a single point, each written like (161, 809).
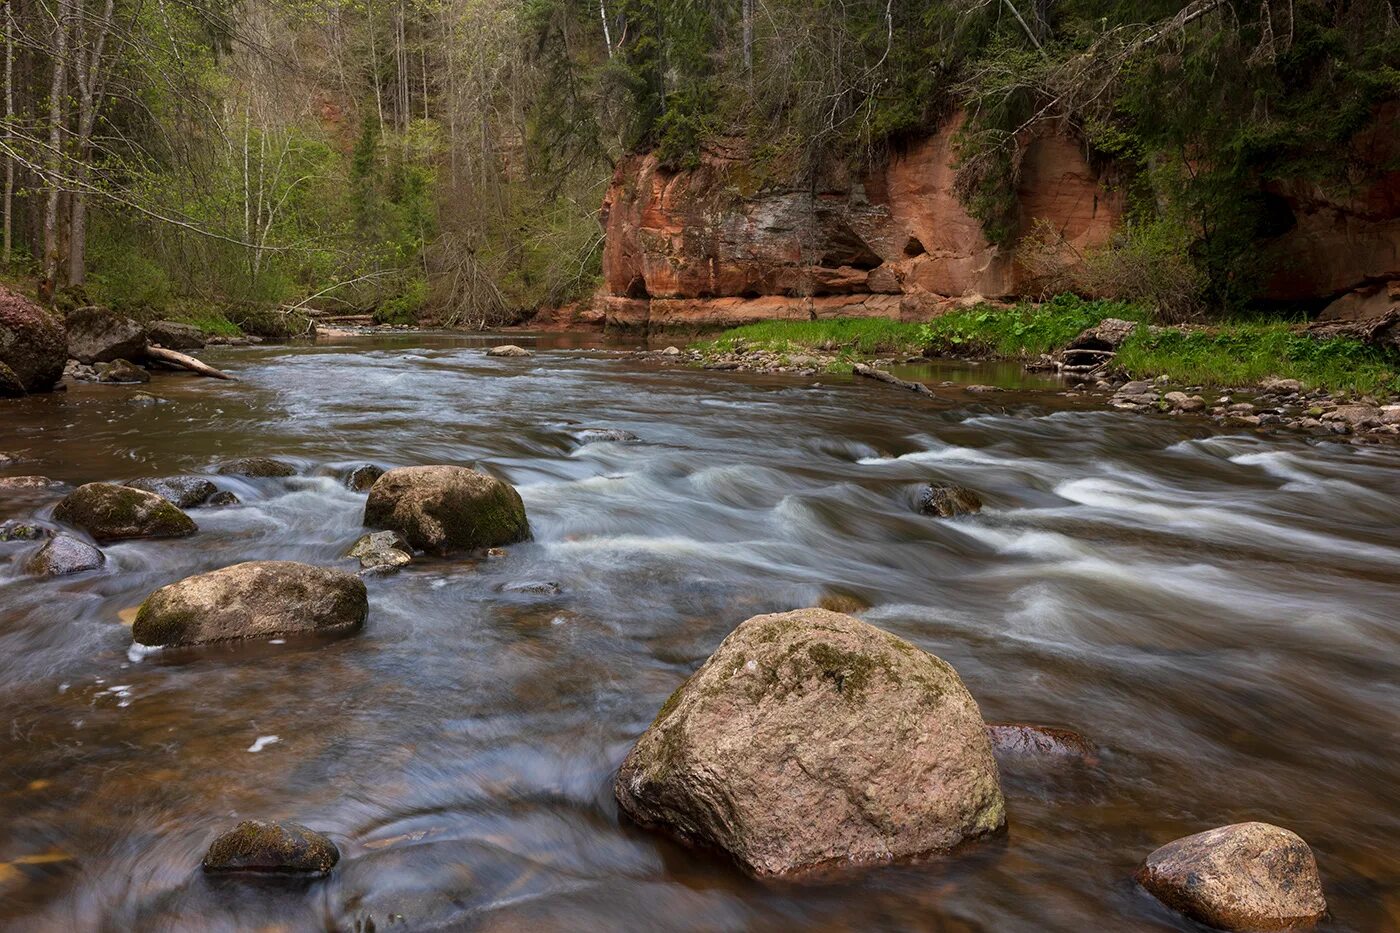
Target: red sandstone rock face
(690, 249)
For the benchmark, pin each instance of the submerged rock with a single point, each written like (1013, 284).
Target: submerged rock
(183, 491)
(1248, 876)
(264, 847)
(381, 551)
(258, 599)
(445, 509)
(111, 513)
(33, 346)
(1040, 744)
(811, 737)
(99, 335)
(65, 554)
(948, 500)
(16, 530)
(256, 467)
(594, 435)
(221, 499)
(361, 478)
(509, 349)
(533, 587)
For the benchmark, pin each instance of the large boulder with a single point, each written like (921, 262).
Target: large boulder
(182, 491)
(64, 554)
(111, 513)
(33, 347)
(444, 509)
(175, 336)
(271, 848)
(258, 599)
(99, 335)
(1248, 876)
(260, 467)
(811, 737)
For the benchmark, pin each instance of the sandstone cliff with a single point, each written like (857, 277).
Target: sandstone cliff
(711, 246)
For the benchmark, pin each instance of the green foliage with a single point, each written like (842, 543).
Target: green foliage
(404, 308)
(846, 336)
(1026, 330)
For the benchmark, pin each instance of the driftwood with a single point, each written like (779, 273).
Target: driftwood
(1381, 331)
(185, 361)
(870, 372)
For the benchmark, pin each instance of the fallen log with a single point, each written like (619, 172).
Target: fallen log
(879, 375)
(185, 361)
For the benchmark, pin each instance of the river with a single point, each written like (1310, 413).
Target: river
(1217, 612)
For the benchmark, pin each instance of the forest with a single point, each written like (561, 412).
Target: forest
(445, 160)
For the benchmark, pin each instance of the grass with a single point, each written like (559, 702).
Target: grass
(1232, 353)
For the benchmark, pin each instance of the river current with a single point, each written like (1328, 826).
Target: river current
(1216, 612)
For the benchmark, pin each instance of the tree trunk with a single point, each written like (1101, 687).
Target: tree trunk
(9, 128)
(88, 66)
(57, 113)
(748, 40)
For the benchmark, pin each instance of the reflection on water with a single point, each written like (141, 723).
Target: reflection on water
(1216, 612)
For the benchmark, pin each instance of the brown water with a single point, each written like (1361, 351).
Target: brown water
(1218, 613)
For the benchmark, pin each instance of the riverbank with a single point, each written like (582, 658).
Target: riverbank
(1268, 375)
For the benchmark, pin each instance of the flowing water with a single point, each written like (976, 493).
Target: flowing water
(1218, 613)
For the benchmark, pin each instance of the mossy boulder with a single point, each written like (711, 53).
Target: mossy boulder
(447, 509)
(1248, 876)
(64, 554)
(99, 335)
(257, 599)
(112, 513)
(182, 491)
(33, 345)
(261, 847)
(947, 500)
(256, 467)
(811, 738)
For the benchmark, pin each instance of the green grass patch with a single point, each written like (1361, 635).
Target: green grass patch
(1246, 353)
(848, 337)
(1026, 330)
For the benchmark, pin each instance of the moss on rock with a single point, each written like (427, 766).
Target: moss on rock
(447, 509)
(258, 846)
(113, 513)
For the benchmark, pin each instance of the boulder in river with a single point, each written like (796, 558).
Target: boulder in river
(99, 335)
(509, 349)
(183, 491)
(110, 513)
(948, 500)
(220, 499)
(122, 372)
(16, 530)
(810, 738)
(33, 346)
(381, 552)
(262, 847)
(1248, 876)
(176, 336)
(258, 599)
(257, 467)
(446, 509)
(64, 554)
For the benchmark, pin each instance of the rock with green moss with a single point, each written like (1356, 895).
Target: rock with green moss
(447, 509)
(810, 738)
(257, 599)
(261, 847)
(113, 513)
(257, 467)
(948, 500)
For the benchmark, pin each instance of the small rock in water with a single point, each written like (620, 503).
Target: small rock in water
(671, 351)
(595, 435)
(948, 500)
(509, 349)
(1183, 402)
(258, 599)
(533, 587)
(258, 846)
(16, 530)
(980, 389)
(381, 551)
(447, 509)
(146, 398)
(1040, 744)
(28, 482)
(121, 371)
(221, 499)
(800, 742)
(1248, 876)
(257, 467)
(64, 554)
(182, 491)
(111, 513)
(362, 477)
